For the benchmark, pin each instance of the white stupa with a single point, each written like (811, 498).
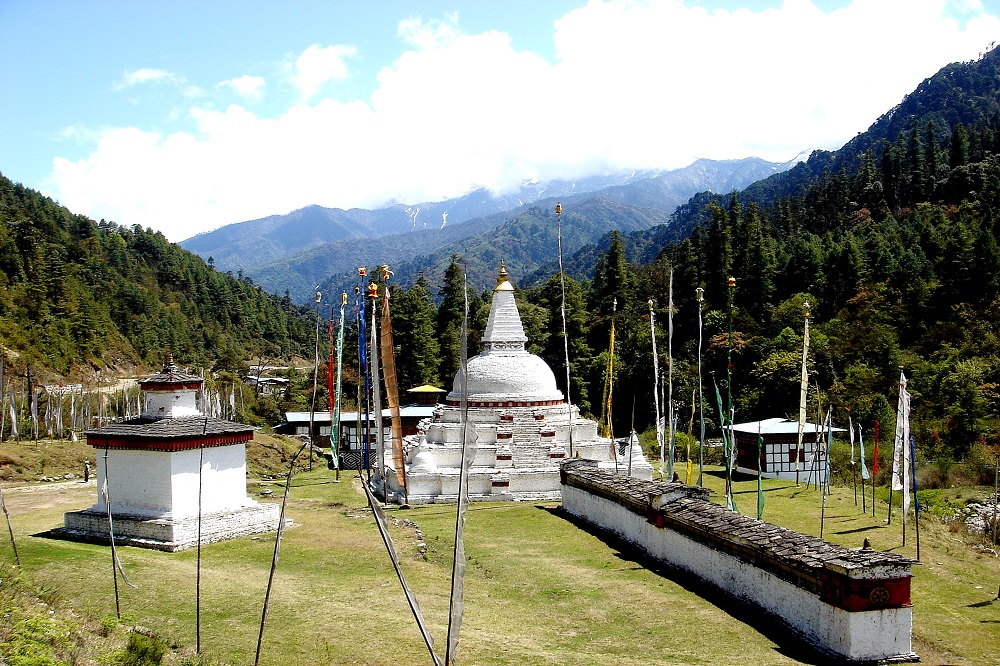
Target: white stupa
(521, 422)
(171, 474)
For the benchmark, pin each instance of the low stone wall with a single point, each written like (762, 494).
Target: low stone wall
(167, 534)
(852, 604)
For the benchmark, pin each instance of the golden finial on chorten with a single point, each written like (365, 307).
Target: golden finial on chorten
(502, 275)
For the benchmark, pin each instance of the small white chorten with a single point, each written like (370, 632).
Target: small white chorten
(151, 468)
(521, 422)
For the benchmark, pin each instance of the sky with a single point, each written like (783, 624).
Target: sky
(189, 115)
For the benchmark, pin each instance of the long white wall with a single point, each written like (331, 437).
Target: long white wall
(857, 636)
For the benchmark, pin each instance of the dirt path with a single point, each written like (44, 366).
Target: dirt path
(68, 494)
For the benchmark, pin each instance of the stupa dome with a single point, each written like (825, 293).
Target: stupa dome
(504, 373)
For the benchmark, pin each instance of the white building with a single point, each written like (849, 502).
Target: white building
(781, 457)
(523, 427)
(170, 474)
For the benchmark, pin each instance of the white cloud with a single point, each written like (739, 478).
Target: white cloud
(250, 88)
(146, 75)
(427, 34)
(633, 84)
(318, 65)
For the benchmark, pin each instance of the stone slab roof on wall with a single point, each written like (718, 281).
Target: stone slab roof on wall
(799, 558)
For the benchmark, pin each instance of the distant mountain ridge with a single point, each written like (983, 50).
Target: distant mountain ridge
(247, 245)
(526, 242)
(333, 242)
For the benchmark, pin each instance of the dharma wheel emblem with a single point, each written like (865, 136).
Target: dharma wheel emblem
(879, 596)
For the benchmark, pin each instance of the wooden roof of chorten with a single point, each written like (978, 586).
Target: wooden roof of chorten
(170, 378)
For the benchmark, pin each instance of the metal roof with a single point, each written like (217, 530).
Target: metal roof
(779, 426)
(427, 388)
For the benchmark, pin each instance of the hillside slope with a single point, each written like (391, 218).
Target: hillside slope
(77, 296)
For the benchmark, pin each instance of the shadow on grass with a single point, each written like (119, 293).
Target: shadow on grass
(774, 628)
(983, 604)
(754, 491)
(298, 483)
(862, 529)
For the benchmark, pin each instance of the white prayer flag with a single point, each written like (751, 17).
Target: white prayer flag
(901, 447)
(864, 466)
(850, 428)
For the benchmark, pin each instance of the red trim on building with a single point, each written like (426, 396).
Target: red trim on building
(859, 594)
(168, 444)
(508, 403)
(170, 386)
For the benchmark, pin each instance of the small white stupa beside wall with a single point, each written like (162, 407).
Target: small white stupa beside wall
(168, 470)
(523, 428)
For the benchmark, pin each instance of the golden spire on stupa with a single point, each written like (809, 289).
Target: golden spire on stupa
(502, 275)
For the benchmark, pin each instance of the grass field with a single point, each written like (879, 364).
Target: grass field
(539, 589)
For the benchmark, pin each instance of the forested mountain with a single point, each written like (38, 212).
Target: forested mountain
(316, 245)
(77, 296)
(526, 236)
(954, 110)
(892, 241)
(527, 241)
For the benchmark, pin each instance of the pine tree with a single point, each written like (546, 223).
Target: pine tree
(719, 254)
(932, 159)
(757, 267)
(958, 151)
(613, 279)
(916, 160)
(449, 321)
(417, 349)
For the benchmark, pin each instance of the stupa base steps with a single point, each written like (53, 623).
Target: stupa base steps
(171, 535)
(497, 497)
(489, 484)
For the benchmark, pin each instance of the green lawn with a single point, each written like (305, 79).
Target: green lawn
(539, 589)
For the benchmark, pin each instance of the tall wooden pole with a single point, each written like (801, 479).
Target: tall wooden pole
(700, 296)
(731, 283)
(562, 283)
(312, 404)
